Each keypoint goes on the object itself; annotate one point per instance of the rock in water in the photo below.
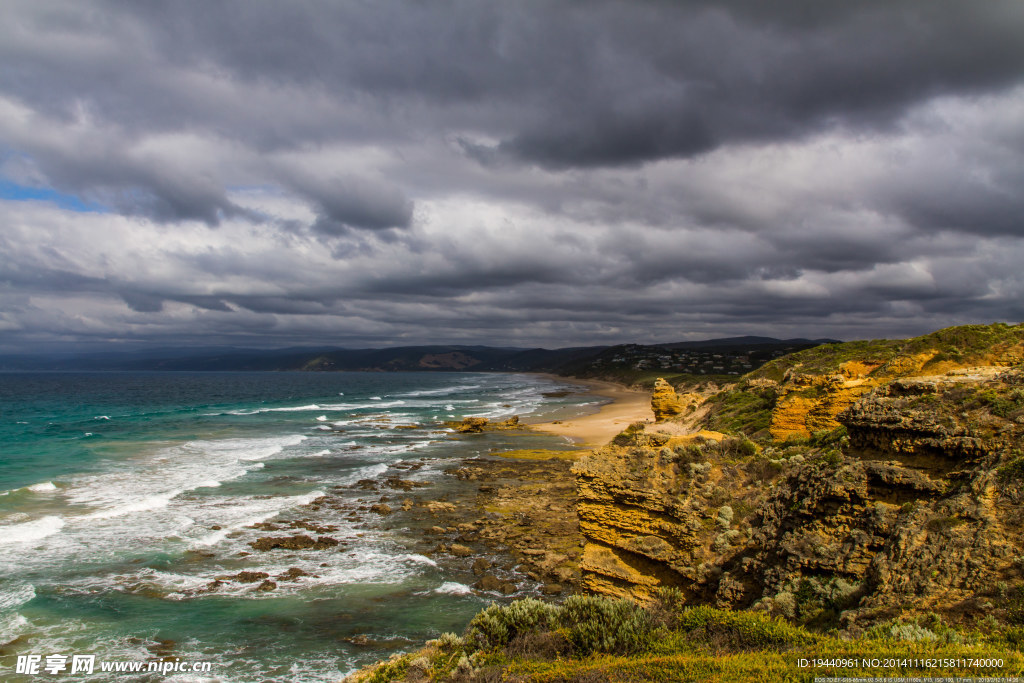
(665, 401)
(475, 425)
(298, 542)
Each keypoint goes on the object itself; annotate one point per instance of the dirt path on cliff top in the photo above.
(597, 429)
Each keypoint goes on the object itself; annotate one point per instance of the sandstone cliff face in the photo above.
(912, 502)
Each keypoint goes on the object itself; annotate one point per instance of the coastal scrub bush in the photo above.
(1003, 405)
(1014, 605)
(595, 624)
(394, 668)
(447, 641)
(911, 632)
(835, 438)
(736, 447)
(630, 435)
(498, 625)
(740, 630)
(1013, 470)
(588, 624)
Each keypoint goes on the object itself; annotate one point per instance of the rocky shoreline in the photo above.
(502, 525)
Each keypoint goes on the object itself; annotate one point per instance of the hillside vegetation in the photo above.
(601, 639)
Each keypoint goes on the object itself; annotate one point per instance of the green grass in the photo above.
(964, 344)
(744, 410)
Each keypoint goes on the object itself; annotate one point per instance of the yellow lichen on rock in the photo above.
(701, 436)
(801, 416)
(856, 369)
(810, 403)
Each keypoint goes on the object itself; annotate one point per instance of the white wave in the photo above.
(324, 428)
(417, 559)
(29, 532)
(321, 418)
(368, 472)
(246, 512)
(363, 406)
(449, 407)
(253, 449)
(453, 588)
(375, 398)
(141, 505)
(318, 454)
(15, 597)
(290, 409)
(102, 417)
(443, 390)
(11, 626)
(41, 487)
(155, 482)
(88, 434)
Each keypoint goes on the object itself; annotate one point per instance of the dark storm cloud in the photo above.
(352, 202)
(542, 172)
(561, 83)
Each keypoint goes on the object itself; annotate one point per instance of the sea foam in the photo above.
(30, 532)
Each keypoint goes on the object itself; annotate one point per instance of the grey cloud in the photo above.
(561, 83)
(141, 302)
(347, 202)
(540, 171)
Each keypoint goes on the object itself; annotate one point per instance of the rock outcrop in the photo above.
(665, 401)
(475, 425)
(879, 490)
(297, 542)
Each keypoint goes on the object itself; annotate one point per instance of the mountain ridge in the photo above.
(427, 357)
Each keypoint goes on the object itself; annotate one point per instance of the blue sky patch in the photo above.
(23, 193)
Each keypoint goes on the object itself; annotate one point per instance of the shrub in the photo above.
(835, 438)
(1014, 603)
(1004, 406)
(395, 668)
(497, 625)
(629, 436)
(742, 630)
(1013, 470)
(588, 624)
(911, 632)
(593, 624)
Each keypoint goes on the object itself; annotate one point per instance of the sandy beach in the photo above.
(627, 406)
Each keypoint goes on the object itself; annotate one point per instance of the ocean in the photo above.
(126, 498)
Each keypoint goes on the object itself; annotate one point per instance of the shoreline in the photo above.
(596, 429)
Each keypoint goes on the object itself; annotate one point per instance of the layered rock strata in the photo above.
(911, 504)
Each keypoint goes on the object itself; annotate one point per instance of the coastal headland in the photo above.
(837, 508)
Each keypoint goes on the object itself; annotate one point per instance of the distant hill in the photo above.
(734, 355)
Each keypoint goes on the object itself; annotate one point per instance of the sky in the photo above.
(391, 172)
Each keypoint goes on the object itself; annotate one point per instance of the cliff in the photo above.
(839, 486)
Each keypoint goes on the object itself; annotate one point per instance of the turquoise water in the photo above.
(123, 496)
